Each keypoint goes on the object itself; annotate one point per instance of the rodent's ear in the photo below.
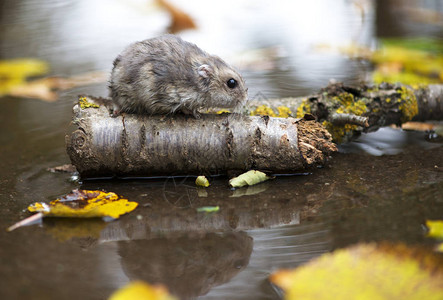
(204, 71)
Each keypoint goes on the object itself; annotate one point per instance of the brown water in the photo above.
(380, 188)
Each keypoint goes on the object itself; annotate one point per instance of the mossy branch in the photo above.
(347, 111)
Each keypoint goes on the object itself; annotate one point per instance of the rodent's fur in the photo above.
(165, 75)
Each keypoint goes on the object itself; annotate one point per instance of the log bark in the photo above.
(133, 145)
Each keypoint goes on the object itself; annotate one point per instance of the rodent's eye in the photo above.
(232, 83)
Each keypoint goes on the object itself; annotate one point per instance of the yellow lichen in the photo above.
(346, 105)
(303, 109)
(284, 112)
(83, 101)
(263, 110)
(338, 131)
(408, 104)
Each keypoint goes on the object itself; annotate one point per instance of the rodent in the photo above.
(166, 75)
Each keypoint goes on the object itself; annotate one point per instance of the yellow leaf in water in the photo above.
(139, 290)
(435, 229)
(249, 178)
(85, 204)
(15, 71)
(22, 68)
(202, 181)
(14, 74)
(366, 271)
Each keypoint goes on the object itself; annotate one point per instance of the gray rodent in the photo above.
(166, 75)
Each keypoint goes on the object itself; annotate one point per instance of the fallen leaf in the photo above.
(81, 204)
(418, 126)
(208, 209)
(37, 89)
(202, 181)
(435, 229)
(179, 19)
(249, 178)
(410, 61)
(15, 71)
(22, 68)
(366, 271)
(46, 88)
(14, 74)
(85, 204)
(142, 291)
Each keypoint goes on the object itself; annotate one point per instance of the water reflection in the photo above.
(188, 265)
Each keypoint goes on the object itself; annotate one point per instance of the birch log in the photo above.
(133, 145)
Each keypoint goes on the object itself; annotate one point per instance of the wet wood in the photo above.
(132, 145)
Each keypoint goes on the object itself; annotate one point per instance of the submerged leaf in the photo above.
(142, 291)
(208, 209)
(202, 181)
(366, 271)
(85, 204)
(249, 178)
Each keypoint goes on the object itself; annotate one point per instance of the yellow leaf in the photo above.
(85, 204)
(249, 178)
(435, 229)
(14, 72)
(22, 68)
(139, 290)
(202, 181)
(366, 271)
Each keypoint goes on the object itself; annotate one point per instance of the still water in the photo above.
(379, 188)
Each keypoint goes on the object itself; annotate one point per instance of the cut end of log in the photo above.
(315, 142)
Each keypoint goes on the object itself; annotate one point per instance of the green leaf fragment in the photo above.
(208, 209)
(202, 181)
(249, 178)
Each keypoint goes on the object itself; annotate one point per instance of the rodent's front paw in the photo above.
(115, 113)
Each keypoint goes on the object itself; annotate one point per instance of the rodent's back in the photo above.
(160, 75)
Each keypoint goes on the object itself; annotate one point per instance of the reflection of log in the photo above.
(188, 265)
(171, 223)
(132, 145)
